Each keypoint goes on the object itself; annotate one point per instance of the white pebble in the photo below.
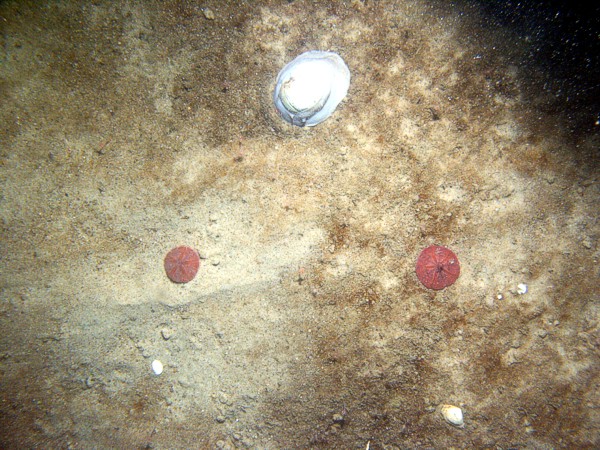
(521, 288)
(157, 367)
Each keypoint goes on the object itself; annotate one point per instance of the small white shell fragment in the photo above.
(208, 13)
(521, 288)
(157, 367)
(453, 415)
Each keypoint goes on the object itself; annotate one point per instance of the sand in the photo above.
(129, 128)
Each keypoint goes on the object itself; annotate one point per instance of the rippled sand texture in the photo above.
(130, 128)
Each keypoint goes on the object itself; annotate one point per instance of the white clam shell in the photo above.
(309, 88)
(453, 415)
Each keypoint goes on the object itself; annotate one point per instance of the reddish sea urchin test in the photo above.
(437, 267)
(181, 264)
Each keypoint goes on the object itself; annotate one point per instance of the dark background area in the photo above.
(564, 39)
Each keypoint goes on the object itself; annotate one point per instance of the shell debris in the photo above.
(208, 13)
(157, 367)
(453, 415)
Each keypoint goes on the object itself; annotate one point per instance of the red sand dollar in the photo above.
(181, 264)
(437, 267)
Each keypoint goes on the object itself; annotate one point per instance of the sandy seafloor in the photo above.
(128, 128)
